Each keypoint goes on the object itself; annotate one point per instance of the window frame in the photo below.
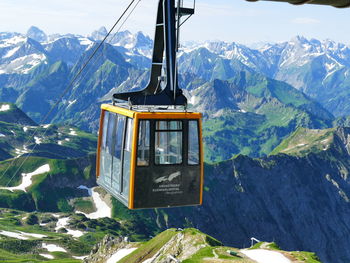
(199, 142)
(149, 141)
(182, 130)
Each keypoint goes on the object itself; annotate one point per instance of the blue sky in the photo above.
(229, 20)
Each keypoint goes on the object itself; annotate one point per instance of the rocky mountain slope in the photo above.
(46, 237)
(298, 197)
(189, 246)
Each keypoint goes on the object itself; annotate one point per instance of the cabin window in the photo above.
(127, 157)
(105, 161)
(110, 133)
(104, 130)
(193, 142)
(119, 130)
(143, 147)
(107, 147)
(168, 142)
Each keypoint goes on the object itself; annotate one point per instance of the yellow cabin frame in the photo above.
(188, 192)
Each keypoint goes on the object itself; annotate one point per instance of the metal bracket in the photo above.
(165, 45)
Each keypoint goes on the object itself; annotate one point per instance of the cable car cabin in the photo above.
(150, 159)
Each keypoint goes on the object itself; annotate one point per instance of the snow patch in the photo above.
(71, 102)
(23, 65)
(2, 135)
(53, 248)
(37, 140)
(129, 46)
(46, 126)
(27, 179)
(19, 152)
(81, 258)
(72, 132)
(265, 256)
(103, 210)
(21, 235)
(12, 41)
(59, 142)
(193, 100)
(33, 235)
(149, 260)
(330, 66)
(25, 129)
(13, 234)
(63, 222)
(11, 52)
(121, 253)
(86, 42)
(47, 256)
(5, 107)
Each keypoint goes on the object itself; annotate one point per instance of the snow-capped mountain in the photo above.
(67, 48)
(274, 59)
(321, 69)
(20, 54)
(133, 44)
(318, 68)
(98, 35)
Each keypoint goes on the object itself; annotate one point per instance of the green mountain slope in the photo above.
(107, 71)
(40, 237)
(251, 114)
(304, 141)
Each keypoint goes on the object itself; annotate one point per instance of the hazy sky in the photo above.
(230, 20)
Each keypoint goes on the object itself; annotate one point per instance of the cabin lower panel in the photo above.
(167, 186)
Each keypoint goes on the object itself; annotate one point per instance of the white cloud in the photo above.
(305, 21)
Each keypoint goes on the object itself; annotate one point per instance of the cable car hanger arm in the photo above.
(163, 90)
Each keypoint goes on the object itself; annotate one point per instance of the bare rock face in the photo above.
(106, 248)
(36, 34)
(181, 246)
(12, 114)
(189, 245)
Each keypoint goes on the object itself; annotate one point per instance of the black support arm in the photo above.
(161, 90)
